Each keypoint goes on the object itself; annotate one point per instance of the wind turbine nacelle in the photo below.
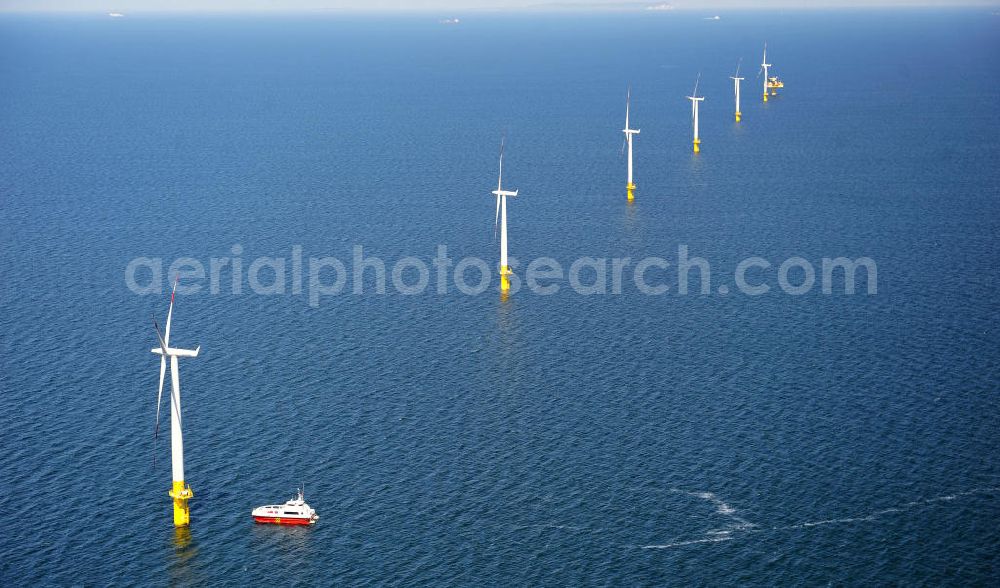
(175, 352)
(505, 192)
(631, 131)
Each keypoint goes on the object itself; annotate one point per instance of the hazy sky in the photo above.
(444, 6)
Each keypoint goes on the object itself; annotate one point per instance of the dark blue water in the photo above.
(451, 439)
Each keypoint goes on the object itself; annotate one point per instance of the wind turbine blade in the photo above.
(159, 398)
(163, 344)
(622, 152)
(500, 177)
(159, 395)
(170, 312)
(738, 63)
(173, 394)
(628, 101)
(496, 222)
(698, 79)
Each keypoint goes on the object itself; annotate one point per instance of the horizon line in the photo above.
(552, 7)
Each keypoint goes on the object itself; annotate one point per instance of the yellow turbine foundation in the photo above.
(630, 188)
(738, 115)
(504, 280)
(181, 494)
(182, 537)
(697, 142)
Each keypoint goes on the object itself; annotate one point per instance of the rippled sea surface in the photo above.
(451, 439)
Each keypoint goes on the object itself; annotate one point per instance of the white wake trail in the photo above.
(722, 508)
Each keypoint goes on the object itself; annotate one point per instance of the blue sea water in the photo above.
(545, 440)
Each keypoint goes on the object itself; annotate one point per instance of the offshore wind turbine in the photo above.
(736, 85)
(695, 99)
(179, 492)
(764, 67)
(630, 186)
(501, 220)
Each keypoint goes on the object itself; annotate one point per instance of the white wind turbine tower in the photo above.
(764, 67)
(695, 99)
(736, 85)
(501, 219)
(630, 186)
(179, 492)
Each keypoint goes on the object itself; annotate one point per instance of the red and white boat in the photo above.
(293, 512)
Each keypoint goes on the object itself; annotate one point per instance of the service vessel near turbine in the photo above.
(180, 492)
(771, 83)
(630, 185)
(293, 512)
(501, 219)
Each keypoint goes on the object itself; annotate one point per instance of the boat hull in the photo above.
(283, 520)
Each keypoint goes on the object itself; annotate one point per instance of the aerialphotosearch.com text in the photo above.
(317, 277)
